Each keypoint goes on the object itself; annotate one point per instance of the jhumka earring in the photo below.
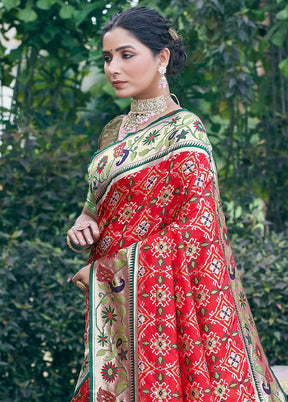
(163, 81)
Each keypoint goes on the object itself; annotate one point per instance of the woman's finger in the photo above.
(82, 276)
(94, 230)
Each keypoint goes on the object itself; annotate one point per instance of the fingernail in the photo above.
(90, 241)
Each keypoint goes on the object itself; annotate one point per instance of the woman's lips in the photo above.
(118, 84)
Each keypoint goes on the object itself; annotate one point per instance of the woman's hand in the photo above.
(85, 231)
(83, 277)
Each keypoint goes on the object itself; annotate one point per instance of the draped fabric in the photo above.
(167, 317)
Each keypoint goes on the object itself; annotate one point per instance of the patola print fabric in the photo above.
(167, 317)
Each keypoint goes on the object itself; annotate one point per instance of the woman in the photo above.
(168, 319)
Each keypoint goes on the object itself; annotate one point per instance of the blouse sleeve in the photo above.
(107, 137)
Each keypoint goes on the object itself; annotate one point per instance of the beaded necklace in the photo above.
(140, 112)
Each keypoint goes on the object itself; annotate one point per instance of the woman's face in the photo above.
(130, 66)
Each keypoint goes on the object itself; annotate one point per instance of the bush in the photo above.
(263, 264)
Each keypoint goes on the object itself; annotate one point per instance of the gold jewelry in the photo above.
(75, 249)
(81, 286)
(173, 34)
(163, 81)
(141, 111)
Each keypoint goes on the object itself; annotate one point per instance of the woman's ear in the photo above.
(164, 56)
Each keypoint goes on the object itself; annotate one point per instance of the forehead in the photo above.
(119, 37)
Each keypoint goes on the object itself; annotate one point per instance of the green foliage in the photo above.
(262, 260)
(235, 80)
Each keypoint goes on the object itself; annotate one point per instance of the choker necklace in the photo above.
(140, 112)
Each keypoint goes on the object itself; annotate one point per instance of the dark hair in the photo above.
(153, 31)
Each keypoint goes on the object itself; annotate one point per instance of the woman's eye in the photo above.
(127, 55)
(107, 59)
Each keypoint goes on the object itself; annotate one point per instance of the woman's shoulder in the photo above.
(110, 131)
(191, 122)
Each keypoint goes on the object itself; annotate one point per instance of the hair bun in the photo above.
(178, 55)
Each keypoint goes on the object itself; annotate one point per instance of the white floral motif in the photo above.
(150, 182)
(165, 195)
(220, 390)
(141, 319)
(188, 167)
(142, 228)
(141, 271)
(105, 242)
(215, 266)
(127, 212)
(114, 199)
(200, 180)
(207, 219)
(160, 295)
(192, 249)
(141, 366)
(234, 359)
(159, 344)
(161, 246)
(225, 313)
(160, 392)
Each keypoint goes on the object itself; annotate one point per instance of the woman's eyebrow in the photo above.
(119, 48)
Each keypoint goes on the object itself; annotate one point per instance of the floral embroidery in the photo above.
(118, 150)
(194, 394)
(105, 396)
(123, 354)
(210, 343)
(109, 372)
(160, 392)
(192, 249)
(102, 164)
(104, 274)
(109, 315)
(102, 339)
(234, 359)
(143, 228)
(198, 125)
(207, 219)
(225, 313)
(160, 344)
(150, 138)
(242, 299)
(220, 390)
(165, 195)
(182, 135)
(127, 213)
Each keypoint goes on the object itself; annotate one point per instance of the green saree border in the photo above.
(153, 158)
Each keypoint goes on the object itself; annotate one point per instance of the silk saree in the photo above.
(167, 317)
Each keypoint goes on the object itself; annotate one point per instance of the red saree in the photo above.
(168, 318)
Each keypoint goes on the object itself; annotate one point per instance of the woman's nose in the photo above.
(114, 66)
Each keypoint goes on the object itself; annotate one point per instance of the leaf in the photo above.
(122, 385)
(45, 4)
(101, 352)
(66, 11)
(9, 4)
(27, 15)
(283, 14)
(280, 36)
(144, 152)
(283, 66)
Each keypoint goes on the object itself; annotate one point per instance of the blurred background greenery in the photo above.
(58, 102)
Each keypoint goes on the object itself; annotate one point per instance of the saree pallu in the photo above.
(168, 319)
